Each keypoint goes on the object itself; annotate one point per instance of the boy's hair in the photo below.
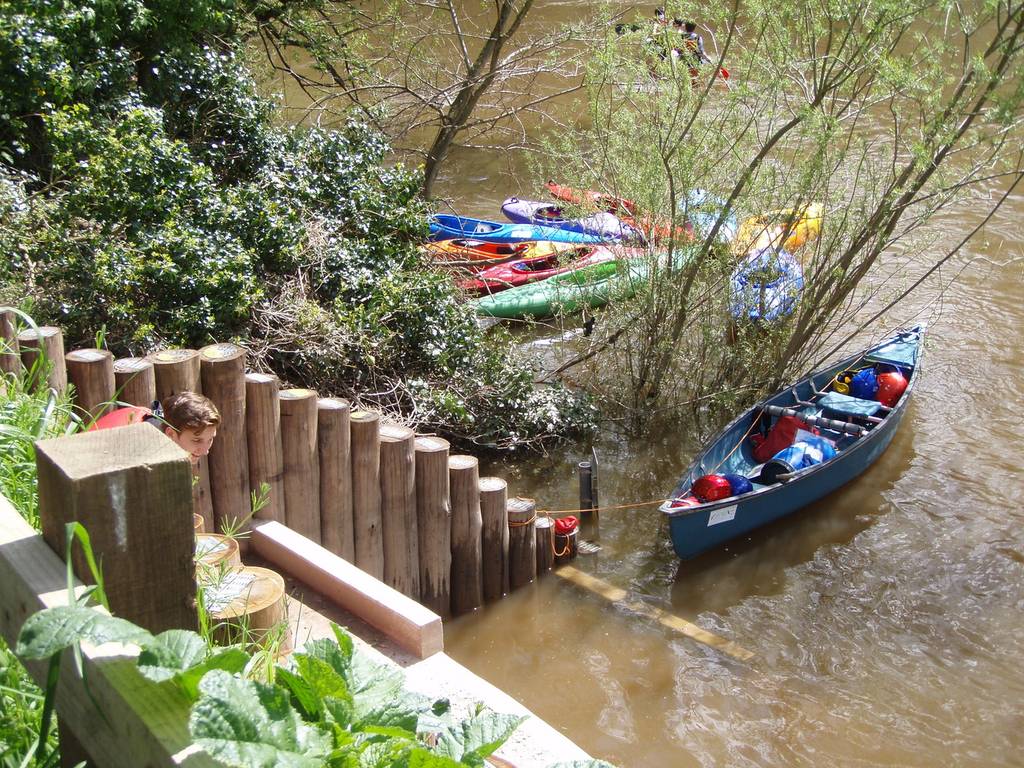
(188, 410)
(690, 26)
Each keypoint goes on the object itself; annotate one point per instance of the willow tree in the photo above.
(888, 113)
(430, 75)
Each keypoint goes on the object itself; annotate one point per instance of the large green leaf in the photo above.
(182, 656)
(249, 724)
(470, 741)
(54, 629)
(380, 700)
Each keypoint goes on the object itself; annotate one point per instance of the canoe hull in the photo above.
(447, 227)
(699, 528)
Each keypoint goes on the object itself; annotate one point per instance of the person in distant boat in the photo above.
(693, 44)
(191, 421)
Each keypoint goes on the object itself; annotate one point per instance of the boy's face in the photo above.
(196, 442)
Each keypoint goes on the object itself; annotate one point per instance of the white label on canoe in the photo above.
(723, 515)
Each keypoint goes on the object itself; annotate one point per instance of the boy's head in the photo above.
(191, 422)
(691, 26)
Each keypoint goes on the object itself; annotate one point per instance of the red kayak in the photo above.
(599, 200)
(502, 276)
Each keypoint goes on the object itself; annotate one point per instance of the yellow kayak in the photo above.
(799, 226)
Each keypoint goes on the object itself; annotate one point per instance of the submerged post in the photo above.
(522, 542)
(545, 531)
(494, 536)
(467, 567)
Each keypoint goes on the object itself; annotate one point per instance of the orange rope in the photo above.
(598, 509)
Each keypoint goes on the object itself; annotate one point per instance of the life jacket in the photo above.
(781, 435)
(130, 414)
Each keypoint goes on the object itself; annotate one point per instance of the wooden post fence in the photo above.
(135, 381)
(51, 341)
(398, 509)
(369, 542)
(301, 462)
(494, 536)
(544, 528)
(522, 542)
(467, 563)
(334, 446)
(91, 371)
(434, 513)
(10, 355)
(222, 367)
(263, 442)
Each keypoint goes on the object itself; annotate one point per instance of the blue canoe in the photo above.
(602, 223)
(444, 226)
(765, 285)
(860, 430)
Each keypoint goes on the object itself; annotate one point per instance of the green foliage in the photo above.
(146, 190)
(21, 704)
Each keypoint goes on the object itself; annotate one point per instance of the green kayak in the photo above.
(591, 286)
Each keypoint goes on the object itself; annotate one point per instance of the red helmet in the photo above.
(566, 525)
(712, 488)
(891, 386)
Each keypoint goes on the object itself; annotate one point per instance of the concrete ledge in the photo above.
(411, 626)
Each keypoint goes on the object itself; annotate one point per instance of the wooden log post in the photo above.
(91, 371)
(222, 368)
(467, 523)
(250, 608)
(494, 536)
(566, 543)
(135, 381)
(301, 462)
(43, 348)
(366, 520)
(522, 542)
(334, 446)
(544, 528)
(131, 489)
(263, 442)
(434, 518)
(174, 371)
(10, 353)
(398, 509)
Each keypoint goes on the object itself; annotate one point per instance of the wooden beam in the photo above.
(411, 626)
(621, 598)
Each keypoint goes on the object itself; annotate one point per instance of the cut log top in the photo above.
(244, 590)
(395, 433)
(105, 451)
(462, 462)
(171, 356)
(332, 404)
(87, 355)
(221, 352)
(31, 335)
(521, 509)
(492, 485)
(260, 378)
(364, 417)
(213, 549)
(297, 394)
(431, 444)
(544, 522)
(132, 364)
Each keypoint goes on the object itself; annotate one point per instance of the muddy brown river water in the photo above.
(887, 620)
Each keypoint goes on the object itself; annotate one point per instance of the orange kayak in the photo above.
(474, 255)
(599, 200)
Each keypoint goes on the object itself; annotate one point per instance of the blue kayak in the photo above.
(602, 223)
(852, 432)
(444, 226)
(765, 285)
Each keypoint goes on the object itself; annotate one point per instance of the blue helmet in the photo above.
(864, 384)
(739, 484)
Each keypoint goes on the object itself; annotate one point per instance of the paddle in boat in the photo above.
(795, 447)
(444, 226)
(531, 270)
(605, 224)
(765, 286)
